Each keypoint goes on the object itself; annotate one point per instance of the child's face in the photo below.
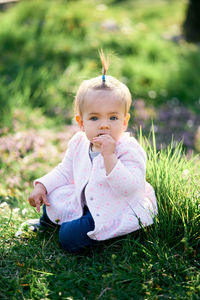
(103, 113)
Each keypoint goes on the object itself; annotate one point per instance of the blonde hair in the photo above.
(109, 84)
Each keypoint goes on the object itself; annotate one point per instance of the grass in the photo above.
(157, 262)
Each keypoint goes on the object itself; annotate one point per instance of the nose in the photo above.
(104, 125)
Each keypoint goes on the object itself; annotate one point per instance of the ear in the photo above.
(126, 119)
(79, 120)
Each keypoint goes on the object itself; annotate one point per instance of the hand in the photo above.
(105, 143)
(107, 147)
(38, 196)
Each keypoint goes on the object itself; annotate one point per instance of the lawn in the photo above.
(158, 262)
(47, 48)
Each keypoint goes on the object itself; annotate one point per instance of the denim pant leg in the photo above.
(45, 221)
(73, 235)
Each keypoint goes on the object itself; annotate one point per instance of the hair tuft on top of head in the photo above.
(104, 61)
(102, 83)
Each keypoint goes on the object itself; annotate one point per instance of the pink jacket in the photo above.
(119, 202)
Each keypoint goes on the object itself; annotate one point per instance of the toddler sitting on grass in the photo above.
(98, 191)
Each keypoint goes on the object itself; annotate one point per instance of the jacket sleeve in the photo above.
(62, 174)
(128, 175)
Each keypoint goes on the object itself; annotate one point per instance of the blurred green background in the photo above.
(48, 47)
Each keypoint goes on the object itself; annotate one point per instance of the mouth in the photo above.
(101, 134)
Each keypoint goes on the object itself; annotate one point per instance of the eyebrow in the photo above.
(96, 113)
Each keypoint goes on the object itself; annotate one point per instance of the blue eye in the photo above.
(113, 118)
(93, 118)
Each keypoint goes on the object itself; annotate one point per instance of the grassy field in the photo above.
(158, 262)
(47, 48)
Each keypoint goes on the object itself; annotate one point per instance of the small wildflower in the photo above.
(185, 173)
(152, 94)
(24, 211)
(3, 204)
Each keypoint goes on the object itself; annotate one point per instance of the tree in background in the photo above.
(191, 25)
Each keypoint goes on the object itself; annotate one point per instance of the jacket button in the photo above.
(98, 215)
(91, 198)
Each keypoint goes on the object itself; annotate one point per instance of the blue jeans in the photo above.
(73, 234)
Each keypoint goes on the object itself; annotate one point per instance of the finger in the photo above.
(98, 140)
(45, 201)
(38, 207)
(105, 137)
(37, 204)
(97, 143)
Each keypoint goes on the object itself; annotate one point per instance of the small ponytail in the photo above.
(102, 83)
(105, 64)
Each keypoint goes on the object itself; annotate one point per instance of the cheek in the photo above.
(117, 131)
(119, 127)
(89, 128)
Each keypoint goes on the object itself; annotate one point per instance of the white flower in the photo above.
(4, 205)
(15, 210)
(185, 173)
(24, 211)
(152, 94)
